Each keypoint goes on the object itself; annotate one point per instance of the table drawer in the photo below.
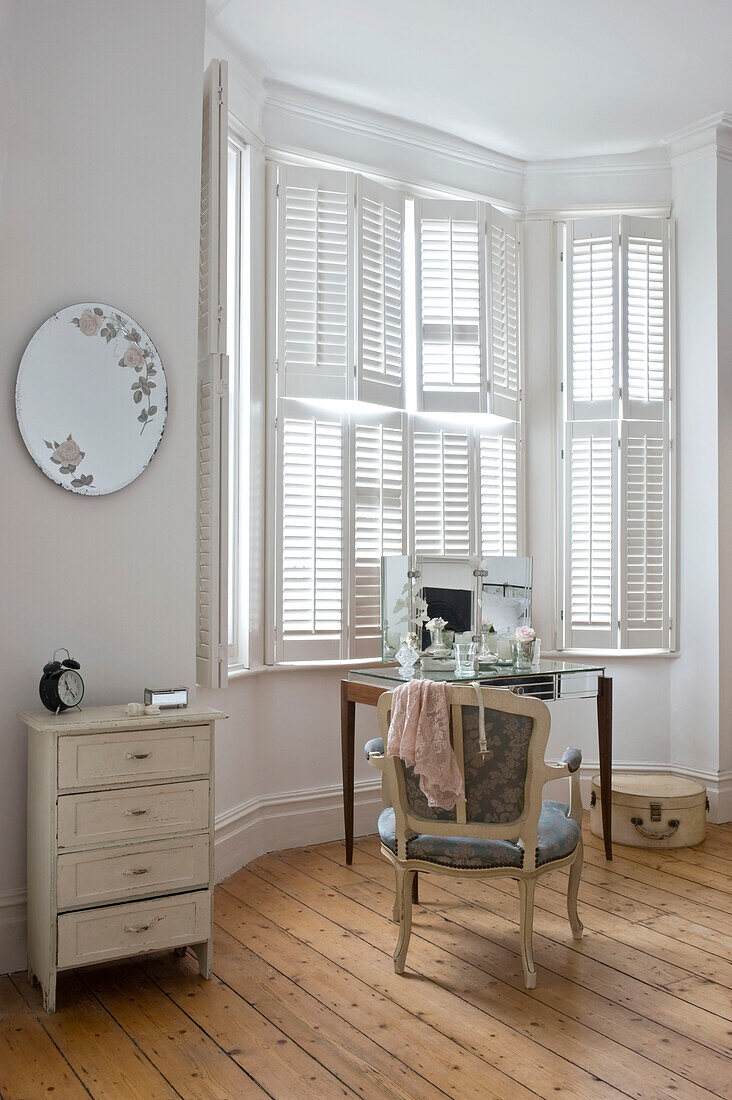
(131, 871)
(101, 817)
(118, 931)
(103, 759)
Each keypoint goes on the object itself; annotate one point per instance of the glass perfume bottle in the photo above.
(408, 656)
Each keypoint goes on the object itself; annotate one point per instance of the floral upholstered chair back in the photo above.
(502, 784)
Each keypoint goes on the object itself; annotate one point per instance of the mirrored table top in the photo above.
(491, 672)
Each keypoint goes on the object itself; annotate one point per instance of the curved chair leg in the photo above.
(526, 895)
(396, 909)
(575, 874)
(404, 891)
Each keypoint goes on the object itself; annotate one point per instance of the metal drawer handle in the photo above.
(135, 813)
(638, 822)
(137, 755)
(142, 927)
(137, 871)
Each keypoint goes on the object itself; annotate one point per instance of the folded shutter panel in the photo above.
(212, 391)
(502, 236)
(450, 258)
(314, 284)
(644, 543)
(310, 540)
(443, 487)
(645, 259)
(498, 462)
(379, 528)
(379, 294)
(590, 606)
(592, 319)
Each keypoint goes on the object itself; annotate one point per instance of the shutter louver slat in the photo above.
(442, 492)
(644, 537)
(212, 634)
(498, 495)
(592, 335)
(315, 228)
(450, 324)
(311, 535)
(379, 308)
(645, 255)
(591, 535)
(378, 522)
(503, 274)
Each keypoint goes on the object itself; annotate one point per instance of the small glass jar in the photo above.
(523, 653)
(465, 658)
(504, 647)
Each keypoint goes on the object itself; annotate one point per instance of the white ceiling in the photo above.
(538, 79)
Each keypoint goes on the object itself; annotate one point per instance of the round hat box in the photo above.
(653, 810)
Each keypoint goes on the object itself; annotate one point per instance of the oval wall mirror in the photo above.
(91, 398)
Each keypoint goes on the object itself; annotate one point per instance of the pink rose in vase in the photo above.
(89, 323)
(525, 634)
(133, 357)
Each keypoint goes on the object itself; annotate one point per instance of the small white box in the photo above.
(166, 697)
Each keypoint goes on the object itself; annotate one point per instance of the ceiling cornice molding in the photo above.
(708, 136)
(250, 75)
(611, 164)
(344, 116)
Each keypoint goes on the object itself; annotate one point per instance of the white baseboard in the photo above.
(12, 931)
(291, 819)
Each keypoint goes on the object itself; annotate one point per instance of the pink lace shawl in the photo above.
(419, 734)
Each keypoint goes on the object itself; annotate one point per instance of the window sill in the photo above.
(238, 673)
(613, 654)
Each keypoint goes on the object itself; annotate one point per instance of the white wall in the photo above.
(99, 195)
(695, 683)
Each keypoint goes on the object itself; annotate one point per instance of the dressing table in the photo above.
(548, 680)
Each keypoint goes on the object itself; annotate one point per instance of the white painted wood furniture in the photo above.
(501, 827)
(120, 837)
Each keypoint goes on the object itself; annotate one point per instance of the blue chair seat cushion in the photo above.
(558, 837)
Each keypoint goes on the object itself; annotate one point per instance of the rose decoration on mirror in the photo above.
(91, 398)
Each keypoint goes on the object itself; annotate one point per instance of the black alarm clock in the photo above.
(61, 685)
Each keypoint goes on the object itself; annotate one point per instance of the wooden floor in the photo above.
(305, 1003)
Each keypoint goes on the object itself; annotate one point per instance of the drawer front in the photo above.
(103, 817)
(131, 871)
(103, 759)
(118, 931)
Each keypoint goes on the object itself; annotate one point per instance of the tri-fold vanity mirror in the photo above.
(466, 595)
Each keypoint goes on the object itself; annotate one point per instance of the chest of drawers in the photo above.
(120, 837)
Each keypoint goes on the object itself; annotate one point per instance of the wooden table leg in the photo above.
(605, 739)
(348, 738)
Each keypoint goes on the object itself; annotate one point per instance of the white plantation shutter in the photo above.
(379, 294)
(502, 239)
(212, 487)
(498, 471)
(312, 503)
(645, 260)
(644, 542)
(450, 259)
(314, 281)
(379, 523)
(590, 461)
(442, 490)
(592, 319)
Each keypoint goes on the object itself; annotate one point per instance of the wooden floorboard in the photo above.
(304, 1003)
